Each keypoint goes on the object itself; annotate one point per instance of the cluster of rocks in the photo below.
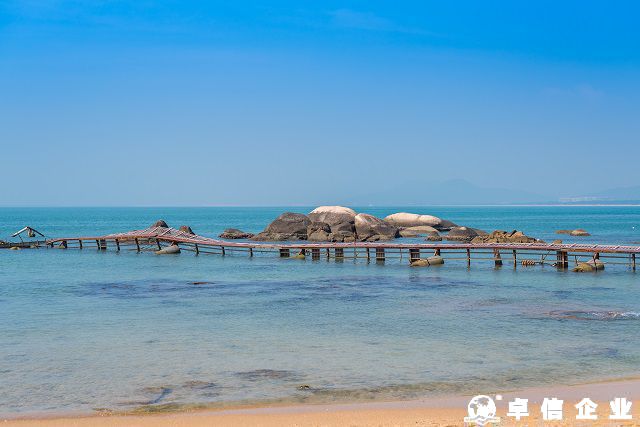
(577, 232)
(500, 236)
(341, 224)
(163, 224)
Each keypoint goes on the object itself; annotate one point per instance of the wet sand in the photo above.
(444, 411)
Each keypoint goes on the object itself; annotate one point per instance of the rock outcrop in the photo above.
(446, 225)
(234, 233)
(464, 234)
(434, 237)
(160, 223)
(186, 229)
(288, 226)
(500, 236)
(576, 232)
(580, 232)
(418, 231)
(323, 232)
(332, 215)
(342, 224)
(171, 249)
(318, 232)
(405, 219)
(593, 265)
(370, 229)
(343, 232)
(426, 262)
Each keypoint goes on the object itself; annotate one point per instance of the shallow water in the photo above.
(81, 330)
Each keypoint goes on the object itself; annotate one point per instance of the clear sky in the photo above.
(292, 102)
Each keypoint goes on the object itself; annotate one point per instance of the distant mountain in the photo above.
(451, 192)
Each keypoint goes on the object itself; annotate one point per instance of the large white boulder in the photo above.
(404, 219)
(332, 215)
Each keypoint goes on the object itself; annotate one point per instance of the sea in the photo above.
(86, 330)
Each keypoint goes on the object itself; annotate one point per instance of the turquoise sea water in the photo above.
(81, 330)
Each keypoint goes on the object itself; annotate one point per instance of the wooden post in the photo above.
(515, 259)
(315, 253)
(223, 251)
(284, 253)
(158, 243)
(80, 243)
(117, 245)
(197, 249)
(137, 244)
(98, 244)
(250, 252)
(468, 257)
(380, 254)
(497, 258)
(633, 262)
(562, 258)
(368, 255)
(328, 253)
(338, 252)
(414, 254)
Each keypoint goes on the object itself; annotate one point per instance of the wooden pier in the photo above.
(561, 256)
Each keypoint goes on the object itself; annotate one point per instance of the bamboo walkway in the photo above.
(558, 255)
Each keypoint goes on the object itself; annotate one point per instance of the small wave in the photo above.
(595, 315)
(267, 374)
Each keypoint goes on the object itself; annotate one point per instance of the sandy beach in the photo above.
(442, 411)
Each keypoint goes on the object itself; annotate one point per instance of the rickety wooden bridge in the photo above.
(558, 255)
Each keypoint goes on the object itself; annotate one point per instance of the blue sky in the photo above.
(280, 102)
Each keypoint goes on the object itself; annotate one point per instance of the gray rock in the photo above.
(593, 265)
(464, 234)
(160, 223)
(576, 232)
(421, 230)
(318, 232)
(426, 262)
(580, 232)
(288, 226)
(434, 237)
(343, 232)
(370, 229)
(446, 225)
(234, 233)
